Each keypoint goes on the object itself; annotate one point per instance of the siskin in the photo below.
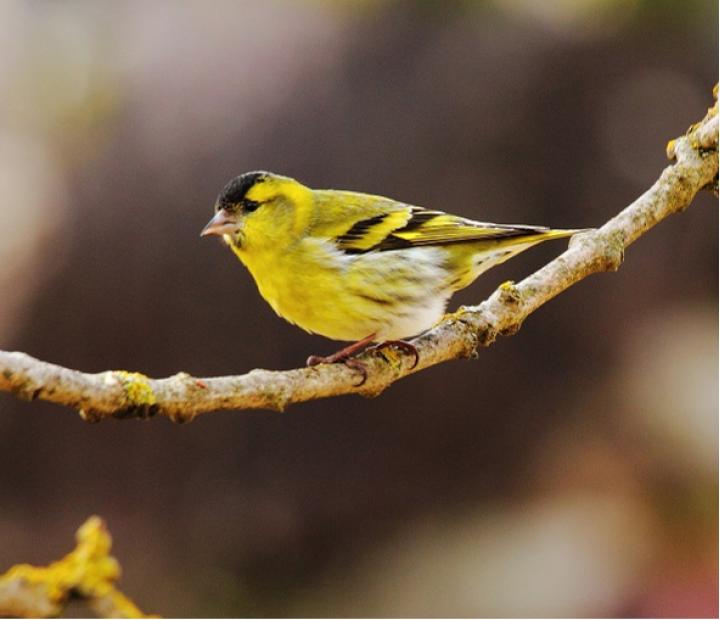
(357, 267)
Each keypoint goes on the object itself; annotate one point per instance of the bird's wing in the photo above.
(414, 226)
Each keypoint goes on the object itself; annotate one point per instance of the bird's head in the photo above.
(259, 210)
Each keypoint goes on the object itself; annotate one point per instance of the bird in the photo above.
(357, 267)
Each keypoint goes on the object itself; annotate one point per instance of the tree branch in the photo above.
(181, 398)
(88, 572)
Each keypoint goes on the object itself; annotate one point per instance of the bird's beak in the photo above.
(222, 223)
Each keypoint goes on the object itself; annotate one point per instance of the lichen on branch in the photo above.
(181, 398)
(88, 572)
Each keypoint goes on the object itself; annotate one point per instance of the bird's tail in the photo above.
(491, 253)
(535, 234)
(524, 237)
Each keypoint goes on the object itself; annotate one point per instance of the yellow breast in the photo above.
(304, 285)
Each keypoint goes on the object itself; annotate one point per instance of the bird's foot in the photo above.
(345, 356)
(403, 345)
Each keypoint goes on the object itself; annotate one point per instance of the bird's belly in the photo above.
(323, 309)
(412, 320)
(349, 298)
(349, 317)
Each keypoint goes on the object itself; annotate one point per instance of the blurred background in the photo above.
(569, 471)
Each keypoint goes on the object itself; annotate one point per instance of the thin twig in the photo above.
(181, 398)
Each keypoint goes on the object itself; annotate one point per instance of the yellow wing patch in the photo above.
(415, 226)
(436, 227)
(368, 233)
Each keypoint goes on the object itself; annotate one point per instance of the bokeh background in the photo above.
(569, 471)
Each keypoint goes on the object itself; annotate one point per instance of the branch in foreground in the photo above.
(89, 571)
(122, 394)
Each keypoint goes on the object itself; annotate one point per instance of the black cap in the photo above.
(234, 192)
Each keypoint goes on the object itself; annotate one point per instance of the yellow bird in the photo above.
(357, 267)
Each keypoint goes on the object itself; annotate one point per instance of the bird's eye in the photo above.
(250, 205)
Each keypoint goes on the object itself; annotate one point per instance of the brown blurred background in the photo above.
(570, 471)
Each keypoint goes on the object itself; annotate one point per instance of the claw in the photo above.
(314, 360)
(344, 356)
(351, 363)
(360, 367)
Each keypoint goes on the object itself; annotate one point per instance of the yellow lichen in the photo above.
(137, 388)
(393, 356)
(88, 571)
(509, 294)
(451, 316)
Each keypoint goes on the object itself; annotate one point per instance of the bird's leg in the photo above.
(345, 356)
(342, 354)
(403, 345)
